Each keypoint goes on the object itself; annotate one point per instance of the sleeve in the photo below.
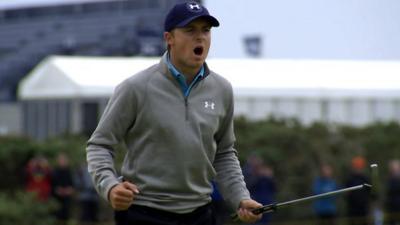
(118, 117)
(229, 177)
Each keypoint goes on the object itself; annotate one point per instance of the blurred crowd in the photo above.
(67, 185)
(362, 207)
(64, 184)
(375, 206)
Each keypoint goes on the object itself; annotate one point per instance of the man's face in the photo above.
(189, 45)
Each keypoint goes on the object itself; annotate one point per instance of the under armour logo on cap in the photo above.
(184, 13)
(193, 6)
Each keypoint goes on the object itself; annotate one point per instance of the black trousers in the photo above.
(142, 215)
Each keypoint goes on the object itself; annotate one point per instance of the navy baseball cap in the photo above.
(184, 13)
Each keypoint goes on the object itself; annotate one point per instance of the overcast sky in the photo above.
(306, 29)
(10, 4)
(321, 29)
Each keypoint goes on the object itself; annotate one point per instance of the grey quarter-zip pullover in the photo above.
(176, 145)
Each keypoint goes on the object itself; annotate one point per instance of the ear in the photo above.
(168, 37)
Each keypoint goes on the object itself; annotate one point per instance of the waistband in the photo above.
(152, 211)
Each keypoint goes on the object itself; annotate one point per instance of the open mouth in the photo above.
(198, 51)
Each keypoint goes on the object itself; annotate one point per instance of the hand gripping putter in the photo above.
(275, 206)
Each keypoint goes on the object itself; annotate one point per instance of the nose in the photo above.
(200, 35)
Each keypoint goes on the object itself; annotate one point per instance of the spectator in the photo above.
(393, 193)
(87, 196)
(38, 177)
(325, 208)
(261, 184)
(358, 202)
(62, 187)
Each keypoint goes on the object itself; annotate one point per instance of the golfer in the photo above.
(176, 121)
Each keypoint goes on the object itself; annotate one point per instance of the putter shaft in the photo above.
(273, 207)
(358, 187)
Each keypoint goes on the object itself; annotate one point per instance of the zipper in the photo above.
(186, 109)
(186, 97)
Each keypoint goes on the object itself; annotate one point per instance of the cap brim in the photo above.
(213, 21)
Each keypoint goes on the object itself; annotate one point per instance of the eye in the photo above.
(189, 29)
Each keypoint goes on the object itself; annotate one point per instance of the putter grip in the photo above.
(264, 209)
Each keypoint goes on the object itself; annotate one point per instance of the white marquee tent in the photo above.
(69, 77)
(64, 76)
(354, 92)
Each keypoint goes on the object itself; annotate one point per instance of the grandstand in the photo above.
(32, 30)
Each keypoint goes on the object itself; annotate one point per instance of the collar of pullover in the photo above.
(181, 78)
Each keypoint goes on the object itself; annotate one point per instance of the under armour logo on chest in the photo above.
(209, 104)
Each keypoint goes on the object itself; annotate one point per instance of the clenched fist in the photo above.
(122, 195)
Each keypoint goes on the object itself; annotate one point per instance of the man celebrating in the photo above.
(176, 120)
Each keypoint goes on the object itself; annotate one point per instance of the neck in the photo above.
(188, 71)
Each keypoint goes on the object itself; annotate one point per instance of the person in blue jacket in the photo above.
(325, 208)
